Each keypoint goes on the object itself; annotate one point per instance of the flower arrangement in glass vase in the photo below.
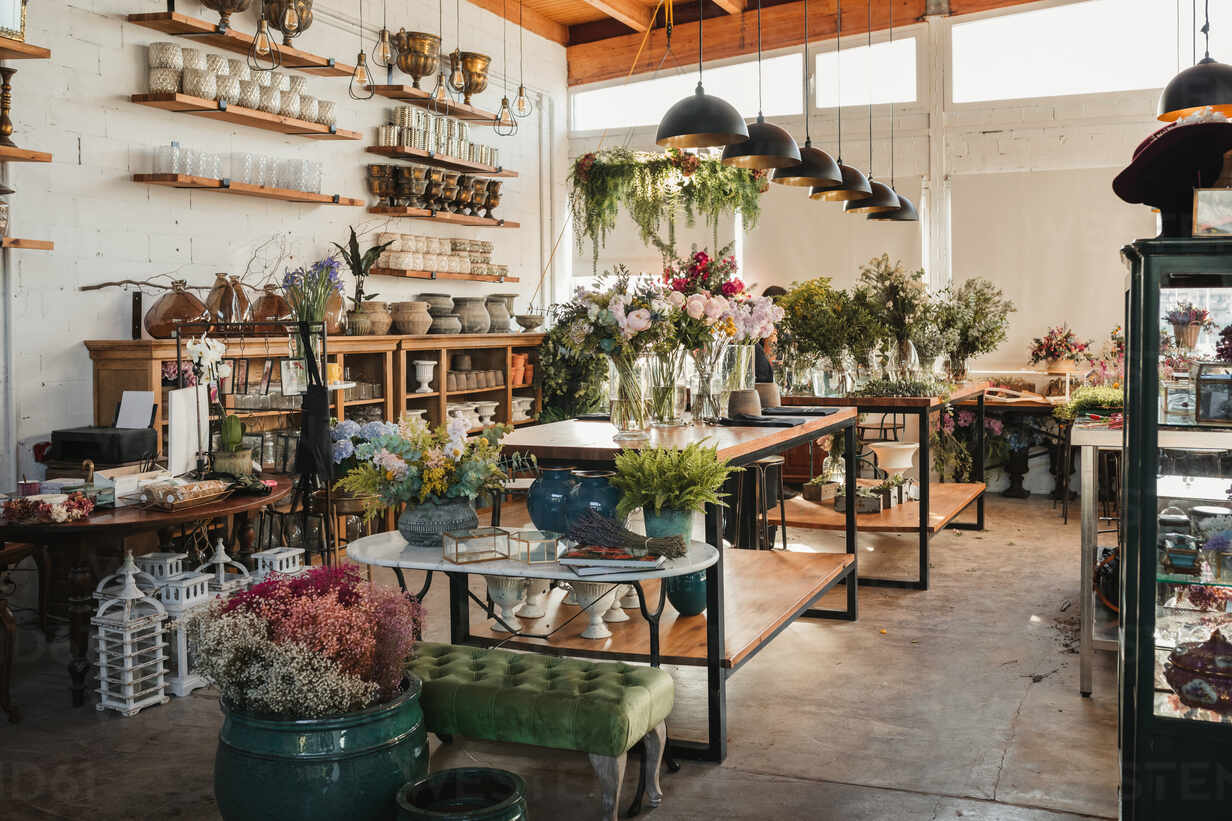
(898, 296)
(1188, 321)
(1059, 344)
(308, 291)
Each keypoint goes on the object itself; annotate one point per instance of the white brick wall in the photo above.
(107, 227)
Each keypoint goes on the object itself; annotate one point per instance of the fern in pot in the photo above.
(670, 485)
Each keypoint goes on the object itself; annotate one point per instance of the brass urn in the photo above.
(474, 73)
(226, 8)
(419, 53)
(291, 17)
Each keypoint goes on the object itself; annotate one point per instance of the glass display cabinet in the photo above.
(1176, 574)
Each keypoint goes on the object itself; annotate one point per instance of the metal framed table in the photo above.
(938, 504)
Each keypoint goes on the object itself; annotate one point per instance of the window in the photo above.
(880, 73)
(1079, 48)
(645, 102)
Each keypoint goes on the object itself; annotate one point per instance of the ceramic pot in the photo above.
(506, 594)
(498, 313)
(536, 595)
(223, 300)
(355, 762)
(769, 394)
(472, 793)
(175, 306)
(359, 323)
(378, 314)
(438, 304)
(412, 318)
(234, 462)
(335, 310)
(422, 525)
(475, 318)
(529, 321)
(269, 307)
(686, 593)
(424, 368)
(597, 599)
(744, 402)
(1199, 673)
(548, 499)
(592, 490)
(449, 324)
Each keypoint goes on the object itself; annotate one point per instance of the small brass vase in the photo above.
(474, 73)
(277, 12)
(419, 54)
(226, 8)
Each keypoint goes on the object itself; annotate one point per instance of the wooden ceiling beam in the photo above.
(731, 6)
(532, 21)
(630, 12)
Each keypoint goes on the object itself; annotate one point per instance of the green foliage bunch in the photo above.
(978, 313)
(655, 479)
(360, 264)
(903, 387)
(232, 433)
(894, 293)
(1091, 398)
(865, 328)
(813, 323)
(572, 383)
(931, 334)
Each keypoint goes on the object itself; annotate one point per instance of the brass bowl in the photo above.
(474, 73)
(419, 53)
(491, 202)
(436, 174)
(419, 172)
(451, 177)
(276, 10)
(494, 187)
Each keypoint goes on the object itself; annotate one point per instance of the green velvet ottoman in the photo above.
(602, 709)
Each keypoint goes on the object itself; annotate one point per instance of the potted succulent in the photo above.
(320, 720)
(365, 317)
(233, 458)
(669, 485)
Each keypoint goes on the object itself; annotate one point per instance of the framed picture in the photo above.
(239, 376)
(267, 372)
(294, 379)
(1212, 212)
(13, 19)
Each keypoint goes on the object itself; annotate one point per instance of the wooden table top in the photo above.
(132, 519)
(969, 390)
(591, 441)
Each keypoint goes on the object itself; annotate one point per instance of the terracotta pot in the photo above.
(498, 313)
(335, 310)
(474, 316)
(270, 307)
(359, 323)
(175, 306)
(378, 314)
(412, 318)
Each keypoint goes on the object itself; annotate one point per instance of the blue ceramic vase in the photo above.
(686, 593)
(548, 497)
(593, 490)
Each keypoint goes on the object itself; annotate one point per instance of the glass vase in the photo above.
(627, 399)
(667, 389)
(709, 397)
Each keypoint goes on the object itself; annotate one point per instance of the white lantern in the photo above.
(288, 561)
(227, 576)
(162, 566)
(113, 585)
(130, 647)
(183, 596)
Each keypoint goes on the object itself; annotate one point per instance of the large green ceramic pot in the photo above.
(464, 794)
(346, 767)
(686, 593)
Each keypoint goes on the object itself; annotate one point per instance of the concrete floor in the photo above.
(958, 702)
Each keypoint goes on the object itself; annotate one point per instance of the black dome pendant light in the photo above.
(882, 197)
(1209, 83)
(702, 120)
(816, 167)
(854, 186)
(905, 212)
(768, 146)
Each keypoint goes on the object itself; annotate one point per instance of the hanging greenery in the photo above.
(656, 189)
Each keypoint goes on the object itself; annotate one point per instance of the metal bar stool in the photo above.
(762, 493)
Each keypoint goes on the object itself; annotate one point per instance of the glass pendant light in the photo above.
(701, 120)
(359, 78)
(905, 212)
(290, 20)
(506, 125)
(768, 146)
(854, 184)
(382, 49)
(1209, 83)
(263, 55)
(522, 106)
(438, 100)
(816, 167)
(457, 80)
(881, 197)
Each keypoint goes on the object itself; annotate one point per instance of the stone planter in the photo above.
(349, 766)
(423, 525)
(358, 323)
(474, 316)
(412, 318)
(378, 314)
(498, 313)
(235, 462)
(448, 324)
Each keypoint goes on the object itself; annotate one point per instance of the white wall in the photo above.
(106, 227)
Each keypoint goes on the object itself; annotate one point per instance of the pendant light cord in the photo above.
(891, 105)
(838, 77)
(1206, 27)
(701, 15)
(505, 43)
(804, 79)
(869, 21)
(759, 105)
(521, 46)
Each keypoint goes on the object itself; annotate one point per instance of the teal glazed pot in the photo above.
(349, 766)
(593, 490)
(686, 593)
(464, 794)
(423, 525)
(548, 498)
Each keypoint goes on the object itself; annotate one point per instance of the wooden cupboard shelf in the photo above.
(346, 403)
(244, 189)
(228, 39)
(465, 391)
(28, 244)
(399, 272)
(428, 395)
(418, 97)
(440, 161)
(11, 49)
(9, 153)
(217, 110)
(440, 216)
(533, 420)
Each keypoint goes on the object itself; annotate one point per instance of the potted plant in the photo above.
(979, 312)
(820, 488)
(309, 291)
(368, 317)
(436, 473)
(233, 458)
(669, 485)
(1188, 321)
(897, 296)
(320, 720)
(1059, 345)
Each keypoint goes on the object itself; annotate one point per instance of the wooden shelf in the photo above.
(399, 272)
(428, 395)
(217, 110)
(244, 189)
(432, 158)
(28, 244)
(346, 403)
(11, 49)
(440, 216)
(419, 97)
(945, 501)
(228, 39)
(10, 154)
(465, 391)
(533, 420)
(524, 386)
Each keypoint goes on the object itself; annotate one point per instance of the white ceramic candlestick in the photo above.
(597, 598)
(506, 592)
(423, 372)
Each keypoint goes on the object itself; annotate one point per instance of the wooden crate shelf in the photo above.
(228, 39)
(216, 110)
(398, 272)
(440, 216)
(945, 501)
(10, 154)
(28, 244)
(423, 99)
(440, 161)
(244, 189)
(11, 49)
